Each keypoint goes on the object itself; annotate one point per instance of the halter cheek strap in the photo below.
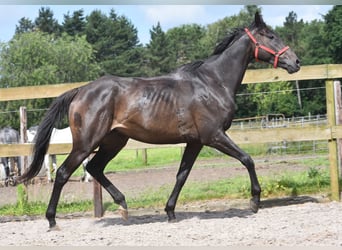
(271, 51)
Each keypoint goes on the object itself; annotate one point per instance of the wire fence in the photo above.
(271, 121)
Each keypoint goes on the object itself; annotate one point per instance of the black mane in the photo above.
(228, 41)
(222, 46)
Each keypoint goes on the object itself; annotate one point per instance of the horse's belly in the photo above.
(153, 136)
(166, 126)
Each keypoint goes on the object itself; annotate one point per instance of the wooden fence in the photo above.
(330, 132)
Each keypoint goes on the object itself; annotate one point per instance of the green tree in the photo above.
(293, 29)
(333, 29)
(185, 42)
(160, 56)
(74, 24)
(274, 98)
(292, 33)
(37, 58)
(314, 44)
(124, 58)
(309, 42)
(218, 30)
(45, 21)
(112, 38)
(24, 25)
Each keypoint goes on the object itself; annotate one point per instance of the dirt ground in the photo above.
(286, 222)
(295, 221)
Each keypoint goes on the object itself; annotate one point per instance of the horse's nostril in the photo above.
(297, 62)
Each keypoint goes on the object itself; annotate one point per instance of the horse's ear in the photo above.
(259, 22)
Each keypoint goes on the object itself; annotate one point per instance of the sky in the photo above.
(143, 17)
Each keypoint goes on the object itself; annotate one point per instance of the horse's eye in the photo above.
(270, 36)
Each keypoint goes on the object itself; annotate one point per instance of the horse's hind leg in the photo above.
(190, 154)
(223, 143)
(62, 175)
(109, 148)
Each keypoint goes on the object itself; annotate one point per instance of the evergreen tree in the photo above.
(75, 24)
(293, 28)
(112, 38)
(160, 55)
(45, 21)
(25, 25)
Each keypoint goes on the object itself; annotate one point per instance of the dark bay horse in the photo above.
(192, 105)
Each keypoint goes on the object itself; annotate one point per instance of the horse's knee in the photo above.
(61, 176)
(247, 161)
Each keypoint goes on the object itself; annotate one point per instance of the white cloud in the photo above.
(275, 15)
(173, 15)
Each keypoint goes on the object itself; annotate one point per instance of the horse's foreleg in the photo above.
(62, 175)
(190, 154)
(223, 143)
(97, 164)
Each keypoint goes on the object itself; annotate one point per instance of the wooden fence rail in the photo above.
(330, 132)
(245, 136)
(325, 71)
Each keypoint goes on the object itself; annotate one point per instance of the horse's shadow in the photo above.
(157, 217)
(181, 215)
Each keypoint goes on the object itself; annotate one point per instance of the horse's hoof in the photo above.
(54, 228)
(123, 212)
(171, 216)
(254, 205)
(173, 220)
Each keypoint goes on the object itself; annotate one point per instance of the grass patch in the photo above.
(311, 181)
(129, 159)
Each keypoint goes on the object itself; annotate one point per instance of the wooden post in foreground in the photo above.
(23, 139)
(338, 111)
(332, 143)
(23, 136)
(98, 205)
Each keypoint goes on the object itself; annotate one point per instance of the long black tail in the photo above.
(58, 110)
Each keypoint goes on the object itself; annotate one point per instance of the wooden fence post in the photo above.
(338, 112)
(23, 139)
(98, 205)
(23, 136)
(332, 143)
(144, 156)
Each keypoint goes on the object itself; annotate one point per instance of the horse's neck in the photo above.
(233, 62)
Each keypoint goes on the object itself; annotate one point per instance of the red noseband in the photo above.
(271, 51)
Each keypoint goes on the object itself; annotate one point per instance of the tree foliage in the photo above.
(83, 48)
(74, 25)
(161, 56)
(37, 58)
(333, 29)
(112, 38)
(46, 22)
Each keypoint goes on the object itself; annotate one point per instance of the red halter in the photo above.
(271, 51)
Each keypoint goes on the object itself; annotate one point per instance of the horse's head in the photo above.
(268, 47)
